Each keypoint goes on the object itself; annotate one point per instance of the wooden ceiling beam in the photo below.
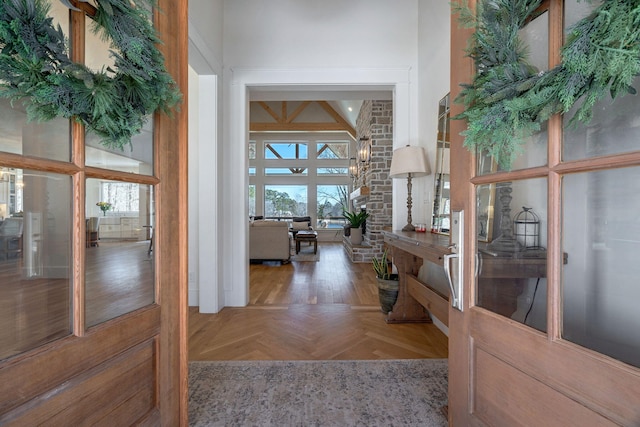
(337, 117)
(285, 122)
(299, 127)
(268, 109)
(297, 111)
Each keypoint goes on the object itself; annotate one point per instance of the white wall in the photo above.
(205, 36)
(328, 33)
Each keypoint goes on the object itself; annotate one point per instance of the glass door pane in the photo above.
(601, 235)
(119, 276)
(35, 253)
(511, 256)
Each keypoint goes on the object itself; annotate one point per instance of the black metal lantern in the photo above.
(526, 226)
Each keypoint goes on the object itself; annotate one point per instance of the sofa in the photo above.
(269, 240)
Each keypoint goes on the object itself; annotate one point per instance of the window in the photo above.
(333, 171)
(285, 171)
(285, 150)
(332, 150)
(332, 200)
(252, 200)
(123, 196)
(285, 200)
(308, 175)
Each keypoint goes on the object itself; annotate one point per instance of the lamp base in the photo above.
(408, 227)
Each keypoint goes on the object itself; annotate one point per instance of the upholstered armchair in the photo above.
(300, 223)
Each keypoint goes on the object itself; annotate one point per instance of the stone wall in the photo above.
(375, 122)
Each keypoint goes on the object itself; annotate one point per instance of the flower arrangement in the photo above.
(104, 207)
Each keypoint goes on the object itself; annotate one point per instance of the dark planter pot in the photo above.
(387, 293)
(347, 230)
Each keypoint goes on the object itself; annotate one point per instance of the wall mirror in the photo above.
(440, 220)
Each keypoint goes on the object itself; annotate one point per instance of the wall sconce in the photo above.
(353, 169)
(364, 153)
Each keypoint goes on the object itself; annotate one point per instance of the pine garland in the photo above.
(509, 99)
(113, 103)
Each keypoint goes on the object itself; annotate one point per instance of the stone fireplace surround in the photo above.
(373, 190)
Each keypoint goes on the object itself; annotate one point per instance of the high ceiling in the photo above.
(345, 100)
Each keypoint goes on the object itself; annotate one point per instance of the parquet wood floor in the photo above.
(311, 311)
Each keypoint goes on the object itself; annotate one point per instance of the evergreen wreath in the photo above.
(509, 99)
(114, 103)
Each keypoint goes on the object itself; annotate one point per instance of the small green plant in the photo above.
(355, 219)
(381, 267)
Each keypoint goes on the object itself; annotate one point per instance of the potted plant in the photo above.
(355, 220)
(387, 283)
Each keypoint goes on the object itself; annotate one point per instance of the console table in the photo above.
(416, 299)
(501, 281)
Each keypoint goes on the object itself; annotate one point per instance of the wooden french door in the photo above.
(548, 336)
(66, 366)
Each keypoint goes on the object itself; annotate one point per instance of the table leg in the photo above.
(406, 308)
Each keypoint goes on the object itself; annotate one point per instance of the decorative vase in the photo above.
(387, 293)
(356, 236)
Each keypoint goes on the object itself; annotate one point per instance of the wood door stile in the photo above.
(409, 250)
(126, 369)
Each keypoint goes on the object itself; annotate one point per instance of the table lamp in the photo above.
(409, 162)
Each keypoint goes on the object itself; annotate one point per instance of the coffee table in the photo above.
(307, 236)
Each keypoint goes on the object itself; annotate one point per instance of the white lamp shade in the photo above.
(409, 160)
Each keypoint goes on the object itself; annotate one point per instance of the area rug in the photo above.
(306, 253)
(318, 393)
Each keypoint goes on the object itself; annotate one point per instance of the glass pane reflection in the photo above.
(614, 129)
(35, 230)
(137, 157)
(49, 140)
(512, 266)
(119, 254)
(601, 234)
(535, 35)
